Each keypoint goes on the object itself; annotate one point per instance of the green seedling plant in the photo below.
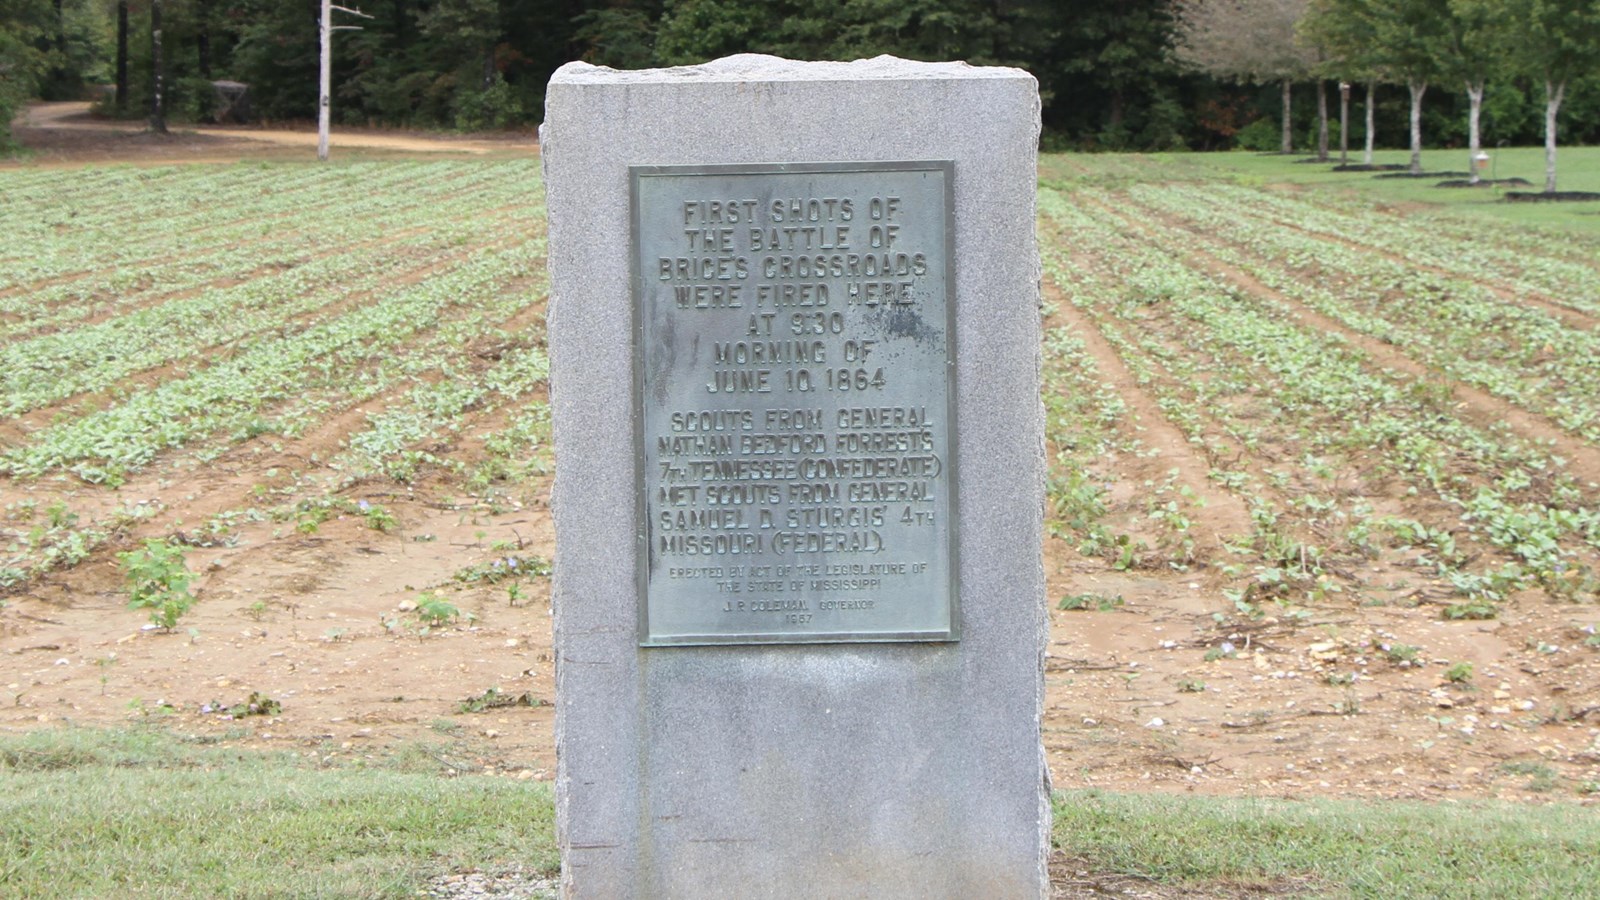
(257, 704)
(377, 518)
(1091, 601)
(1460, 673)
(434, 611)
(1399, 653)
(158, 580)
(493, 698)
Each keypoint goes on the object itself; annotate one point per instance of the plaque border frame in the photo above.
(641, 499)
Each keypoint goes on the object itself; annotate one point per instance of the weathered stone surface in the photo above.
(819, 770)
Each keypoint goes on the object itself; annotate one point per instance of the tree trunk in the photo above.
(1344, 123)
(1288, 125)
(158, 116)
(1553, 92)
(488, 67)
(122, 56)
(1322, 120)
(1474, 142)
(61, 36)
(1418, 88)
(1372, 94)
(203, 36)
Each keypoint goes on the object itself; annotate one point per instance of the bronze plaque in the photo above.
(794, 360)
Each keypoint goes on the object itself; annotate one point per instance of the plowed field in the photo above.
(1324, 488)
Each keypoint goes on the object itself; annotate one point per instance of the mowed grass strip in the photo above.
(113, 814)
(1336, 848)
(92, 813)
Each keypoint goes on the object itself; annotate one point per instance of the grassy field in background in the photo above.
(1578, 170)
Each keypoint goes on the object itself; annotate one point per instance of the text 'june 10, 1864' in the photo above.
(793, 358)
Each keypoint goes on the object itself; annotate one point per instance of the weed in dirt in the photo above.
(1460, 673)
(377, 518)
(104, 664)
(158, 580)
(494, 699)
(310, 517)
(258, 704)
(1480, 611)
(1191, 686)
(1091, 601)
(434, 611)
(1541, 778)
(1400, 654)
(504, 568)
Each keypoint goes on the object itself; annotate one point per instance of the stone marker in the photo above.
(799, 613)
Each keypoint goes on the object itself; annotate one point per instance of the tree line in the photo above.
(1548, 45)
(1113, 74)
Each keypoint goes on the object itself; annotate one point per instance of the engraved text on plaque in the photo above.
(795, 430)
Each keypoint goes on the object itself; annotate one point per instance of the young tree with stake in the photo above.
(1346, 41)
(1552, 41)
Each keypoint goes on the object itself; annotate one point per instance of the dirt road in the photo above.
(67, 133)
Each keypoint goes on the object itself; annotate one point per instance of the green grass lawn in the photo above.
(143, 811)
(1376, 849)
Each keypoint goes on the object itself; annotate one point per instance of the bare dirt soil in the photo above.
(1141, 695)
(67, 133)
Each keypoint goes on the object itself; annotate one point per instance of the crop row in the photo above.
(1563, 269)
(229, 395)
(55, 366)
(1238, 373)
(148, 223)
(110, 286)
(1456, 326)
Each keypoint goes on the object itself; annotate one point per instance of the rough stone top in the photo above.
(748, 67)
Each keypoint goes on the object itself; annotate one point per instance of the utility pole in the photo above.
(326, 75)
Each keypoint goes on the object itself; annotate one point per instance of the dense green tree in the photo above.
(24, 24)
(1555, 42)
(1247, 40)
(621, 34)
(1472, 54)
(1108, 70)
(1411, 41)
(122, 57)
